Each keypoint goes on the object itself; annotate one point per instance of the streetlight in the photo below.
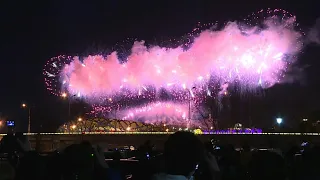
(24, 105)
(65, 96)
(279, 120)
(189, 111)
(115, 109)
(80, 120)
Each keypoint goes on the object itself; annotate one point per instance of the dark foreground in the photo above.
(50, 142)
(285, 158)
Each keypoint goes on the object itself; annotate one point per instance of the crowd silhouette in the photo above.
(184, 157)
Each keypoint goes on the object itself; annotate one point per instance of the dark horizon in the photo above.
(33, 32)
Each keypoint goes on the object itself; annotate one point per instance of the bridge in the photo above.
(51, 141)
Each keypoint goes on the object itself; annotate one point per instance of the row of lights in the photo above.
(279, 121)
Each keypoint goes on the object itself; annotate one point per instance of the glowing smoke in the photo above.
(251, 57)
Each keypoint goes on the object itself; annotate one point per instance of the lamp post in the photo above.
(115, 108)
(115, 111)
(73, 127)
(279, 122)
(81, 123)
(29, 116)
(189, 111)
(65, 96)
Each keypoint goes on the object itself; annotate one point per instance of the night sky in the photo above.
(34, 31)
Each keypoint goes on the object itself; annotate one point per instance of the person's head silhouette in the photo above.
(183, 152)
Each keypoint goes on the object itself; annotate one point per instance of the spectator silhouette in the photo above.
(183, 152)
(79, 162)
(310, 165)
(8, 144)
(31, 166)
(246, 155)
(145, 150)
(7, 171)
(267, 165)
(245, 159)
(229, 162)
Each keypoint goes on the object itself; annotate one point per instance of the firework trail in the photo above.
(159, 112)
(256, 53)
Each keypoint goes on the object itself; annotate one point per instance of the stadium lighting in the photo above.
(279, 120)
